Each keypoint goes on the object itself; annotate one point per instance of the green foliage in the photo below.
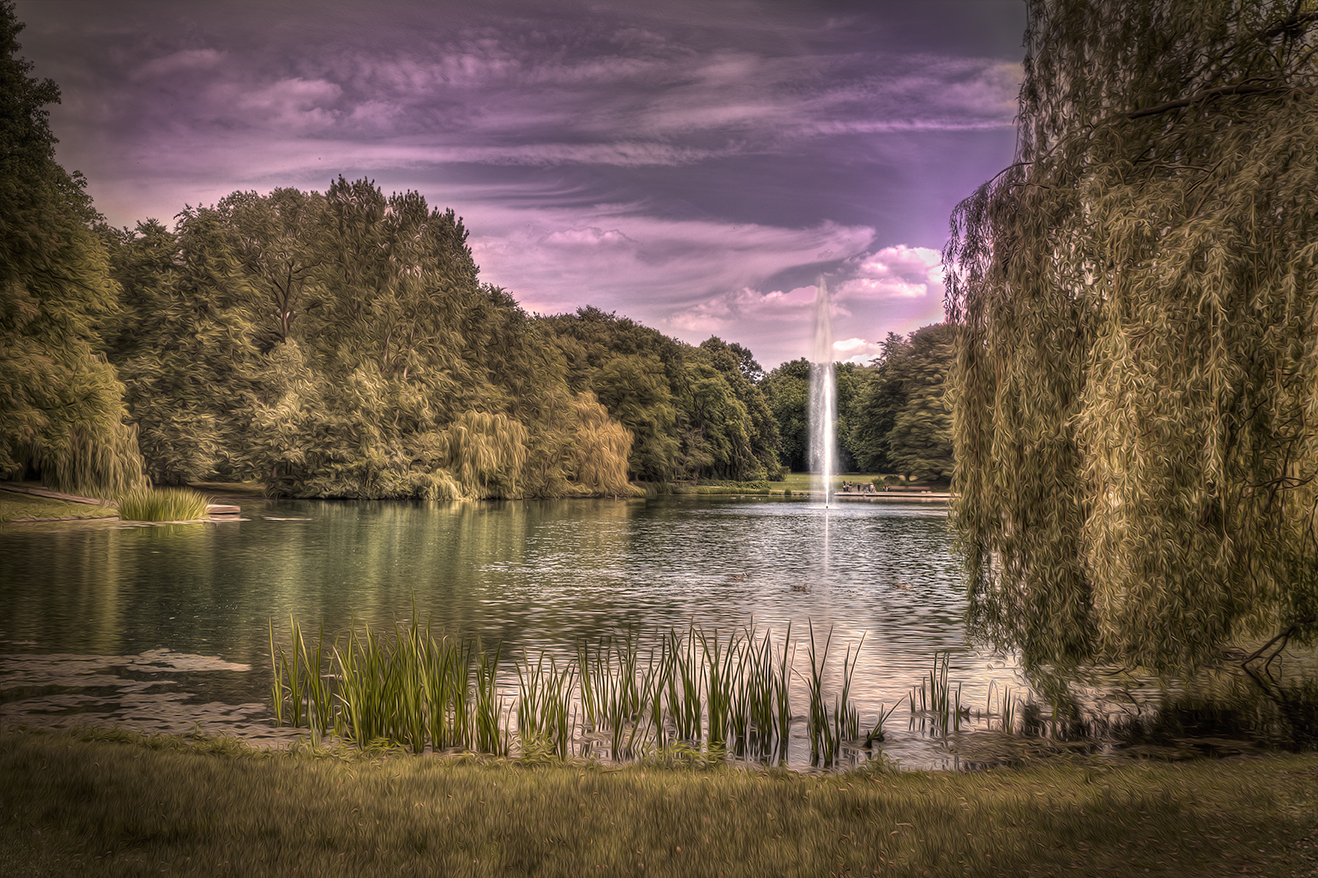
(340, 345)
(901, 423)
(1134, 395)
(635, 390)
(787, 391)
(61, 409)
(692, 412)
(637, 373)
(787, 394)
(167, 504)
(187, 348)
(740, 371)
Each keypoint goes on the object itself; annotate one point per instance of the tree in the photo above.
(902, 423)
(61, 403)
(743, 374)
(341, 345)
(1136, 387)
(634, 390)
(275, 238)
(192, 368)
(787, 391)
(638, 373)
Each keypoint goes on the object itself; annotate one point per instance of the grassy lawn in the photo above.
(801, 481)
(25, 507)
(75, 804)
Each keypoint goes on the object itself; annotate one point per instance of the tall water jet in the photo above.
(823, 400)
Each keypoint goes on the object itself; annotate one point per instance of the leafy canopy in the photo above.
(61, 404)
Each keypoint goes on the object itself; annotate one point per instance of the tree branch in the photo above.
(1243, 88)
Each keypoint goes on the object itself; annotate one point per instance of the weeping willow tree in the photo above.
(597, 460)
(1136, 386)
(61, 404)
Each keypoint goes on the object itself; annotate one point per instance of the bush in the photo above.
(165, 504)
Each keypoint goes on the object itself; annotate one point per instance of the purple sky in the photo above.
(691, 165)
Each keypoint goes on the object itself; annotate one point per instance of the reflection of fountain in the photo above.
(823, 399)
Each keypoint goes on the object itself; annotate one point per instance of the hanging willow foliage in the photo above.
(597, 460)
(486, 453)
(61, 406)
(1136, 389)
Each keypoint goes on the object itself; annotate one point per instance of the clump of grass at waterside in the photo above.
(118, 805)
(698, 691)
(162, 504)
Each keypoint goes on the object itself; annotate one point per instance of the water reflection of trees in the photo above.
(1220, 711)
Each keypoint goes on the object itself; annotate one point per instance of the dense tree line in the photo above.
(1136, 391)
(341, 344)
(694, 412)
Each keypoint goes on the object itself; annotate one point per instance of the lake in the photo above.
(166, 627)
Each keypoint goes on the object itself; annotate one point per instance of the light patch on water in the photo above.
(127, 692)
(28, 671)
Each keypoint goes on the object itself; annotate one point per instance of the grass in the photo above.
(26, 507)
(801, 482)
(163, 504)
(118, 805)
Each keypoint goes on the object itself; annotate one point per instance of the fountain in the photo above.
(823, 400)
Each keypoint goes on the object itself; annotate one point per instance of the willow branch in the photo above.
(1206, 95)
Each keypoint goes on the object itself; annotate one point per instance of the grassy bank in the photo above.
(73, 805)
(26, 507)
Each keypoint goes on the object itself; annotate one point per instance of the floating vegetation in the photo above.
(162, 504)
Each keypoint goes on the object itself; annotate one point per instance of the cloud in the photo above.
(290, 105)
(898, 272)
(182, 61)
(691, 165)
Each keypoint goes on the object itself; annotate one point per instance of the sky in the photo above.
(695, 166)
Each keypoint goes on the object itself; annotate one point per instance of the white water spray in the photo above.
(823, 400)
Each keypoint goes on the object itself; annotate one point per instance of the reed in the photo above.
(684, 669)
(162, 504)
(846, 716)
(940, 703)
(491, 733)
(698, 691)
(721, 664)
(544, 712)
(1006, 707)
(876, 732)
(824, 743)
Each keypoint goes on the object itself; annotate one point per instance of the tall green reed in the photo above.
(940, 703)
(544, 711)
(695, 689)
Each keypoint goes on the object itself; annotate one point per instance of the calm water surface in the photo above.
(166, 627)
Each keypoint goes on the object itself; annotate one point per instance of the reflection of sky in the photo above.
(691, 165)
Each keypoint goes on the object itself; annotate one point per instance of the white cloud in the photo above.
(293, 106)
(898, 272)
